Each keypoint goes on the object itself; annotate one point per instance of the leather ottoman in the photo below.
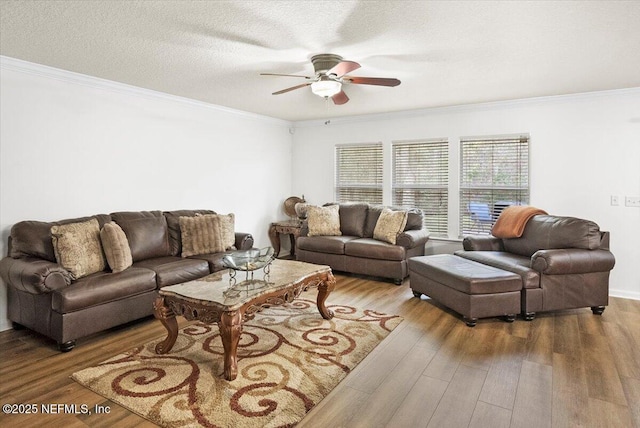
(472, 289)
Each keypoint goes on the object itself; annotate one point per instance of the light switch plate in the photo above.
(615, 200)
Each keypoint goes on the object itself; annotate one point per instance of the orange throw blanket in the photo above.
(512, 221)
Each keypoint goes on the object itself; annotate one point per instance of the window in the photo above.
(359, 173)
(494, 173)
(421, 180)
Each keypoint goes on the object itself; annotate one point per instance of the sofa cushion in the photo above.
(373, 249)
(173, 224)
(520, 265)
(353, 217)
(215, 260)
(324, 244)
(77, 247)
(414, 219)
(206, 234)
(547, 232)
(102, 287)
(116, 247)
(147, 233)
(175, 270)
(389, 225)
(324, 221)
(33, 238)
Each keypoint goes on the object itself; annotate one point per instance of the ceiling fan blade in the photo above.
(285, 75)
(343, 67)
(340, 98)
(291, 88)
(379, 81)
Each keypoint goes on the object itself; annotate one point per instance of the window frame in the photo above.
(435, 193)
(359, 191)
(481, 204)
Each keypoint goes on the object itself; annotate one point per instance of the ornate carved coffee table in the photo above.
(217, 298)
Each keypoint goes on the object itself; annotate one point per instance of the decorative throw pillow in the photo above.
(206, 234)
(116, 247)
(389, 225)
(324, 221)
(227, 226)
(77, 247)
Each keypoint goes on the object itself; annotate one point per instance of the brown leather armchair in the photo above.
(564, 263)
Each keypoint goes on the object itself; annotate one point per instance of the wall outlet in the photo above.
(615, 200)
(632, 201)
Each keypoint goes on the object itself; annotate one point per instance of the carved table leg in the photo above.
(230, 329)
(168, 320)
(292, 240)
(324, 289)
(274, 237)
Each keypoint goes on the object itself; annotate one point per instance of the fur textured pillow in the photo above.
(227, 226)
(389, 225)
(116, 247)
(77, 247)
(324, 221)
(206, 234)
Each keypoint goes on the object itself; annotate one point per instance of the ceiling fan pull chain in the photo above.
(326, 104)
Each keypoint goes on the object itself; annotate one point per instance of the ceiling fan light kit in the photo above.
(326, 87)
(331, 72)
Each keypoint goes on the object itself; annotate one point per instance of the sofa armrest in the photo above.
(32, 275)
(244, 241)
(482, 243)
(412, 238)
(572, 260)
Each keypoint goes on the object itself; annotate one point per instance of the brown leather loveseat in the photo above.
(564, 263)
(355, 250)
(46, 298)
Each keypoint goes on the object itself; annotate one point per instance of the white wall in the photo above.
(584, 148)
(71, 146)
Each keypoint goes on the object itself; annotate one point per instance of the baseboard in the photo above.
(5, 325)
(634, 295)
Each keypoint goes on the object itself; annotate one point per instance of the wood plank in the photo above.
(385, 400)
(487, 415)
(533, 398)
(501, 384)
(632, 392)
(446, 361)
(420, 403)
(459, 400)
(603, 380)
(570, 391)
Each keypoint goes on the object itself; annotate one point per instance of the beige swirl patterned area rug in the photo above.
(289, 358)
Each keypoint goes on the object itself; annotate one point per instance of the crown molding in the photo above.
(20, 66)
(468, 107)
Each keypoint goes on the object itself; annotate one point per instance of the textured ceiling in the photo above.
(444, 52)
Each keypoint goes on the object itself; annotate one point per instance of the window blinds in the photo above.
(494, 173)
(359, 173)
(421, 180)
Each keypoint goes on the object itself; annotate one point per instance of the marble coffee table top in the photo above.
(219, 288)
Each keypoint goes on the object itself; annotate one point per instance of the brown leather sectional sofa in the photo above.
(43, 296)
(355, 251)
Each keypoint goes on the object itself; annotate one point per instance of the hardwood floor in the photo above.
(564, 369)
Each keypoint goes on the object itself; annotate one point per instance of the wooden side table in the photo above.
(287, 227)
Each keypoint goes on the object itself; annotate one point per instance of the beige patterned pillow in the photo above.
(324, 221)
(389, 225)
(77, 247)
(206, 234)
(116, 247)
